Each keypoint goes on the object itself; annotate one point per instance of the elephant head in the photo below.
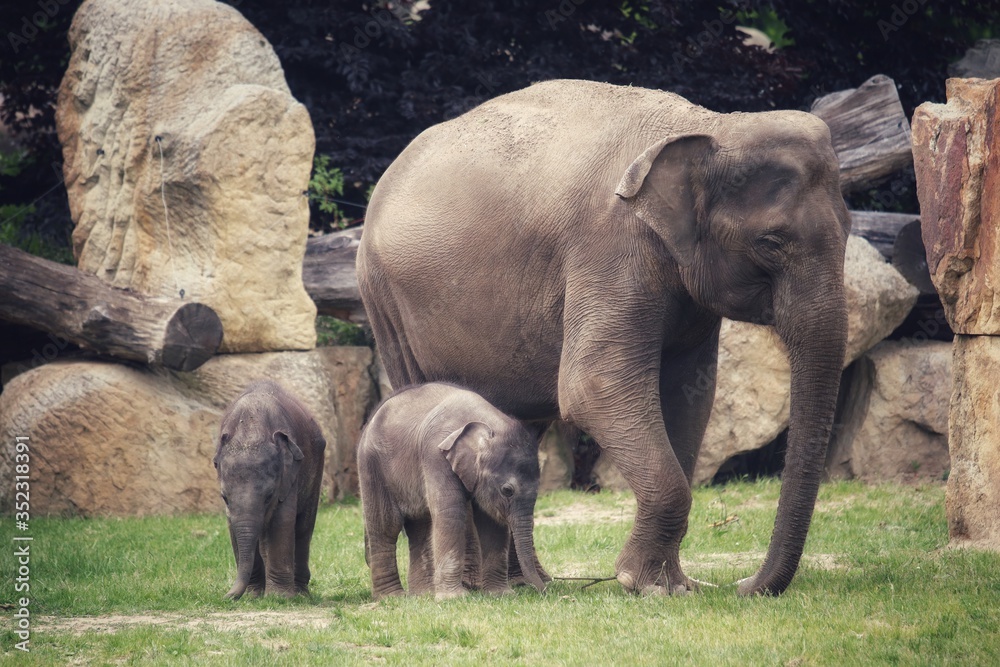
(752, 213)
(257, 470)
(500, 471)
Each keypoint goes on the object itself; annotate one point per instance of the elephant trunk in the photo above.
(522, 531)
(813, 326)
(245, 536)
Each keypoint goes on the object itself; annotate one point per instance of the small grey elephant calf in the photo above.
(270, 464)
(425, 455)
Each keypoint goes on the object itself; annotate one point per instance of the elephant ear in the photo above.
(659, 187)
(223, 439)
(291, 455)
(462, 448)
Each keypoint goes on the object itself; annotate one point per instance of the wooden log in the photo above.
(880, 229)
(870, 132)
(329, 278)
(87, 311)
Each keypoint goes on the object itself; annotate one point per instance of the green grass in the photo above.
(878, 585)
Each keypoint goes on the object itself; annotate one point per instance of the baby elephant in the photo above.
(426, 453)
(270, 464)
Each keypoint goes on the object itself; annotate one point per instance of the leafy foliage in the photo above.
(331, 331)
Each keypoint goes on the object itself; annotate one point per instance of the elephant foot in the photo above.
(653, 577)
(394, 593)
(499, 589)
(450, 594)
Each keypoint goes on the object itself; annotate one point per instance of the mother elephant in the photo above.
(569, 250)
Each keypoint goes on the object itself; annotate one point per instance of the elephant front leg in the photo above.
(278, 547)
(304, 525)
(494, 544)
(472, 576)
(448, 529)
(620, 410)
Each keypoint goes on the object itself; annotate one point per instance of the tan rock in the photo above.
(108, 438)
(555, 456)
(185, 161)
(973, 494)
(903, 431)
(752, 391)
(957, 162)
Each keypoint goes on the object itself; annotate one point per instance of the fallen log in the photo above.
(880, 229)
(85, 310)
(329, 278)
(870, 132)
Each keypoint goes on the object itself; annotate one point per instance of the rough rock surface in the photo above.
(109, 438)
(901, 432)
(973, 494)
(185, 161)
(555, 456)
(958, 183)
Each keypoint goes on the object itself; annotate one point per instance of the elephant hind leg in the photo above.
(390, 337)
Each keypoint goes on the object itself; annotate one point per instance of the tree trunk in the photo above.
(87, 311)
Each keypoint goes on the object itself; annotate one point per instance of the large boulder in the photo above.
(900, 431)
(957, 163)
(108, 438)
(185, 162)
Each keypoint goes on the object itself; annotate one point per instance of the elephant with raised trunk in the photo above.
(269, 460)
(568, 251)
(427, 455)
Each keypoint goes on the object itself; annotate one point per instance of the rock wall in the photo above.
(973, 494)
(116, 439)
(185, 161)
(956, 148)
(900, 432)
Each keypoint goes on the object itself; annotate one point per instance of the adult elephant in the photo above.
(569, 250)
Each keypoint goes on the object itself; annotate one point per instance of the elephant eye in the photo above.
(268, 497)
(507, 490)
(770, 241)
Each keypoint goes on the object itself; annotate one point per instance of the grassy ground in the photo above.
(878, 586)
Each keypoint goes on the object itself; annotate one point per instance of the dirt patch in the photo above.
(583, 512)
(218, 621)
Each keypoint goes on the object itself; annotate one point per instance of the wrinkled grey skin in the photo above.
(426, 455)
(568, 251)
(269, 458)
